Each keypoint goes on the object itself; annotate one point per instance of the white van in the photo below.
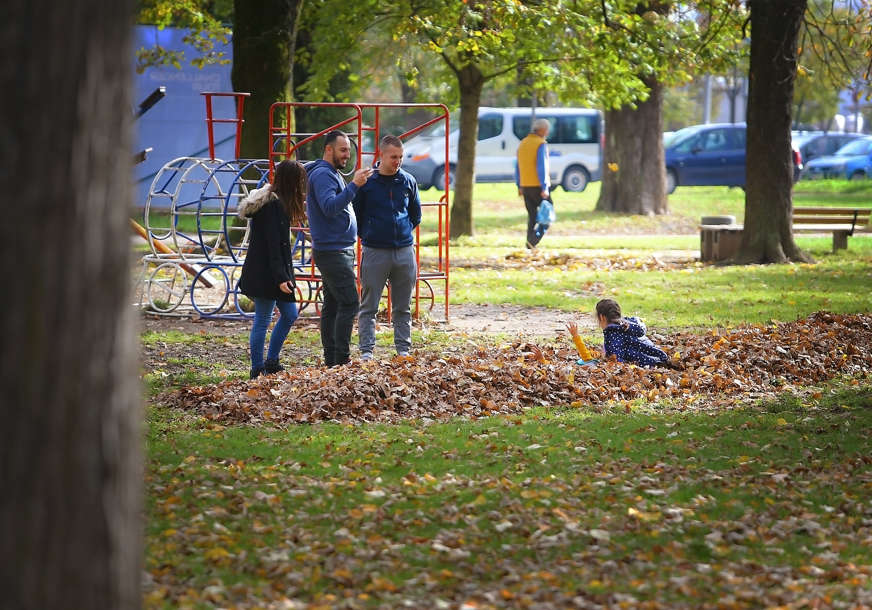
(575, 144)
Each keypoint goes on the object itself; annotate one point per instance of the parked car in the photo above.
(575, 145)
(853, 161)
(710, 155)
(814, 144)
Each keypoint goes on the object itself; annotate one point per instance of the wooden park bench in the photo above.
(720, 236)
(841, 222)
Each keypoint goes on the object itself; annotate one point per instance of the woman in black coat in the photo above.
(268, 271)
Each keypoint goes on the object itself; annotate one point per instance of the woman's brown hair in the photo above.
(289, 185)
(610, 309)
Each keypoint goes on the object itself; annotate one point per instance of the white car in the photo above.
(575, 143)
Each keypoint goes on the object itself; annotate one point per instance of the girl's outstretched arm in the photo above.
(580, 347)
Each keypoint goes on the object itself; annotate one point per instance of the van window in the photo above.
(570, 129)
(490, 126)
(521, 126)
(575, 130)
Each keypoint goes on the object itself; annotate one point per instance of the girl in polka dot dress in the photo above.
(625, 337)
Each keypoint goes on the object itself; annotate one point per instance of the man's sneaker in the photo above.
(365, 356)
(403, 354)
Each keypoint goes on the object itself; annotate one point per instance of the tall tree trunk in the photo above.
(634, 180)
(263, 64)
(768, 237)
(471, 82)
(70, 464)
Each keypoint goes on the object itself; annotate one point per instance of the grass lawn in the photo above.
(759, 506)
(695, 296)
(497, 209)
(753, 503)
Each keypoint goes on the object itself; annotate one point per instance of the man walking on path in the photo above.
(389, 209)
(333, 227)
(532, 175)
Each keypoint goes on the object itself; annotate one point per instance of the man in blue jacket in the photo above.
(388, 208)
(333, 227)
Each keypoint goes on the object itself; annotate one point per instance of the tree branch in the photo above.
(614, 25)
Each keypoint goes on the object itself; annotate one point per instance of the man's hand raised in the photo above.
(361, 176)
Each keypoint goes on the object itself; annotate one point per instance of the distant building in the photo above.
(730, 105)
(733, 99)
(176, 125)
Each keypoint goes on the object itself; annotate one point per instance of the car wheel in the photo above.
(858, 175)
(671, 181)
(575, 179)
(438, 180)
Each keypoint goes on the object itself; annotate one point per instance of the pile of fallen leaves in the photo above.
(751, 360)
(526, 259)
(523, 259)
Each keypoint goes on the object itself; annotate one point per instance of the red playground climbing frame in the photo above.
(363, 123)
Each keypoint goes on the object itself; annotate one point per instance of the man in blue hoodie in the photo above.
(389, 209)
(333, 227)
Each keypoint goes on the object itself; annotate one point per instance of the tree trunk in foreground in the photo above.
(768, 236)
(70, 472)
(634, 180)
(471, 83)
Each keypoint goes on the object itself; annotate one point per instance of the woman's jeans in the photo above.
(263, 312)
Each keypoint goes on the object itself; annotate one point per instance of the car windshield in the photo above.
(857, 147)
(681, 135)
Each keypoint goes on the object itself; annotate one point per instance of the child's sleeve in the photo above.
(581, 348)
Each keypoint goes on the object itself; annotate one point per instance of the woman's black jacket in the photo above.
(268, 261)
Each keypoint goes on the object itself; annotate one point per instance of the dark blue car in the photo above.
(703, 155)
(709, 155)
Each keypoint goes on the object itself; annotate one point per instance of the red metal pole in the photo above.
(209, 125)
(240, 103)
